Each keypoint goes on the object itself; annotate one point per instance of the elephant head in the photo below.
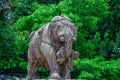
(64, 31)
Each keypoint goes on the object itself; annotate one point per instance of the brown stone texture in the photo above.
(51, 47)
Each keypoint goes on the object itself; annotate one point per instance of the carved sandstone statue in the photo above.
(51, 47)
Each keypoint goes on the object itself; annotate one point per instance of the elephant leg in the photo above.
(54, 71)
(52, 61)
(32, 70)
(54, 75)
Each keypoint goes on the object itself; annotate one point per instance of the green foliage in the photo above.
(8, 56)
(97, 69)
(37, 19)
(118, 39)
(110, 25)
(14, 9)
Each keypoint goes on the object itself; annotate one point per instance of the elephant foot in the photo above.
(54, 76)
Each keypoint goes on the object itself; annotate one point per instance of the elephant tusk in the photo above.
(74, 38)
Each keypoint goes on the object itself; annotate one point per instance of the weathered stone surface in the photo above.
(51, 47)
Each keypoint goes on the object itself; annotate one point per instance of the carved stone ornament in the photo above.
(51, 47)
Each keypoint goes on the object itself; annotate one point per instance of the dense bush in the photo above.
(96, 68)
(109, 26)
(10, 54)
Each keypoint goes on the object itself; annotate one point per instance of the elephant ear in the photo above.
(74, 29)
(53, 29)
(40, 31)
(49, 29)
(31, 34)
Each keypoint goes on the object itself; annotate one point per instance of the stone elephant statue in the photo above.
(51, 47)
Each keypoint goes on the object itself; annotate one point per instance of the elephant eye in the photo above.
(59, 25)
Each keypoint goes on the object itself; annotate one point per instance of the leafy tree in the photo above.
(110, 24)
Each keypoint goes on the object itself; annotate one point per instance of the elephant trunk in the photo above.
(68, 46)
